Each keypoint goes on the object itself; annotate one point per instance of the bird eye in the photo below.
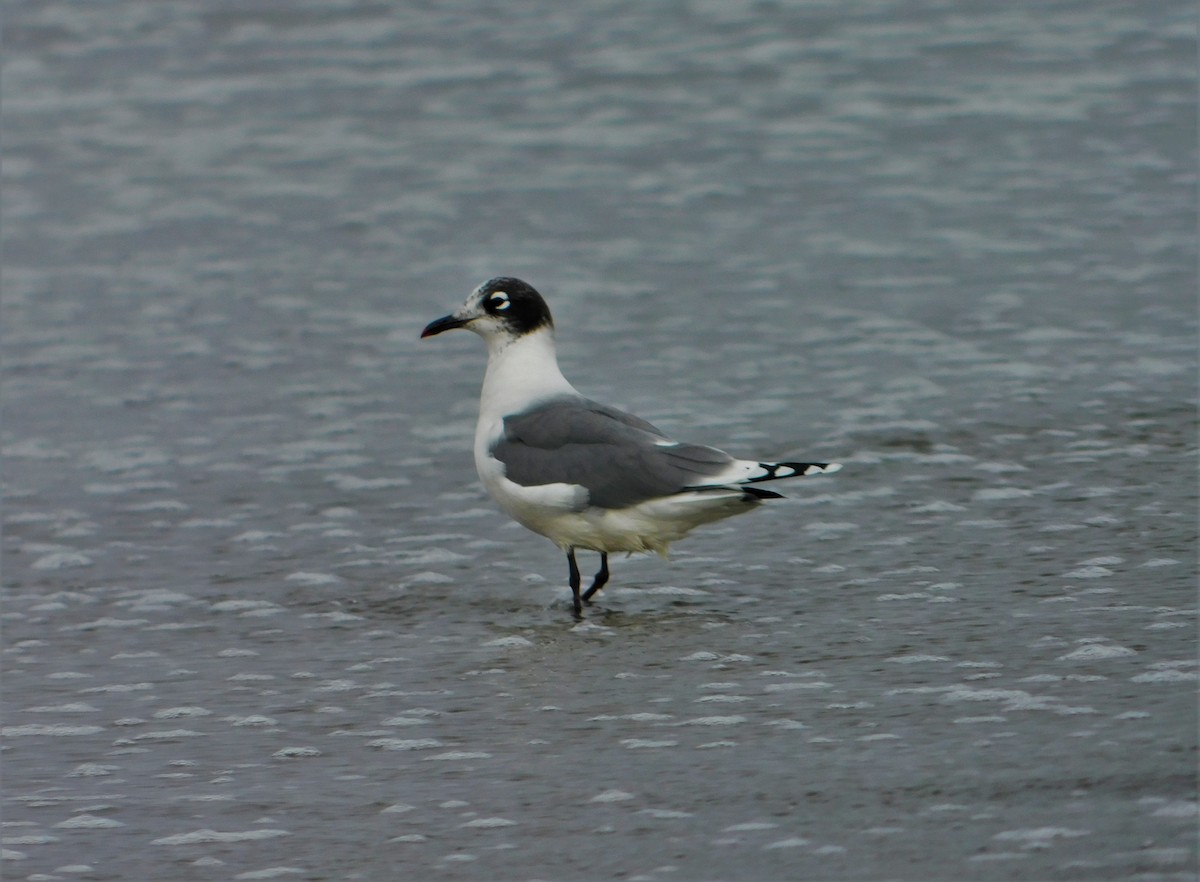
(498, 301)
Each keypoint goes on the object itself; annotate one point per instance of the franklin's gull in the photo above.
(583, 474)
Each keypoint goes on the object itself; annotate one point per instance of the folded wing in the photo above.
(619, 459)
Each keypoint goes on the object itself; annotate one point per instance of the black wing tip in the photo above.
(774, 471)
(759, 493)
(777, 470)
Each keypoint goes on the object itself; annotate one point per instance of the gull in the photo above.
(583, 474)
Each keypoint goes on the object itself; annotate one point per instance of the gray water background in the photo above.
(260, 620)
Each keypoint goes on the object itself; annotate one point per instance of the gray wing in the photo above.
(619, 459)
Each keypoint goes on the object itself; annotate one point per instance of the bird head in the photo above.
(502, 307)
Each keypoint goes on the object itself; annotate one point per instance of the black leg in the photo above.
(601, 578)
(575, 582)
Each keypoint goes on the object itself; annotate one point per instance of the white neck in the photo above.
(520, 371)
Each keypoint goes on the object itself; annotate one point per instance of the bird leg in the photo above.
(601, 578)
(574, 568)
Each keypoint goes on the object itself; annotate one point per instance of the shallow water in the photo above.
(260, 620)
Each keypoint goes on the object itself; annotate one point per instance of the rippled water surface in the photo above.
(260, 620)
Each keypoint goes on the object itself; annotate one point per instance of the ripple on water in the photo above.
(205, 836)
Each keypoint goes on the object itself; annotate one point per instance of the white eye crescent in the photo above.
(499, 300)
